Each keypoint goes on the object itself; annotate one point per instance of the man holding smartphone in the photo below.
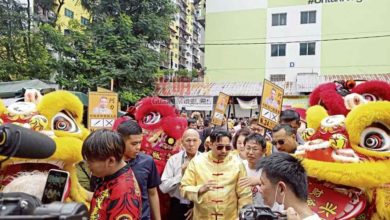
(118, 195)
(56, 185)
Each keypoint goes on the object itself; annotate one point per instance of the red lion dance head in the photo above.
(338, 97)
(162, 128)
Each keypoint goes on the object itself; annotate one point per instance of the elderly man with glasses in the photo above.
(211, 181)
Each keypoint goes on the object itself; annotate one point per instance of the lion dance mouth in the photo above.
(59, 120)
(347, 160)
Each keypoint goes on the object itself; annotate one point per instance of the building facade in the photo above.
(183, 50)
(292, 41)
(60, 12)
(68, 11)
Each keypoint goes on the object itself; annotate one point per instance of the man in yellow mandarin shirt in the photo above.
(211, 182)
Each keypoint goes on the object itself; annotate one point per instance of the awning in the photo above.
(14, 88)
(165, 89)
(251, 104)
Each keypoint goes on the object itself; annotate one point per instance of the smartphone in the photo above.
(55, 187)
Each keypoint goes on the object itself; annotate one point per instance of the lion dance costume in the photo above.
(163, 129)
(59, 115)
(347, 153)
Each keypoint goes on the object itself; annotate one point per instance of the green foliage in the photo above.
(117, 44)
(194, 73)
(23, 55)
(182, 72)
(150, 18)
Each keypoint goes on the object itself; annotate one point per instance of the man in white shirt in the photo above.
(255, 147)
(102, 107)
(173, 173)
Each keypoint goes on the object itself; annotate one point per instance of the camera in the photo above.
(256, 212)
(22, 206)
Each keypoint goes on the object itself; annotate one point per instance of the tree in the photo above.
(118, 44)
(22, 52)
(150, 18)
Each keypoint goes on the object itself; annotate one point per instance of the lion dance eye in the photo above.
(152, 118)
(373, 141)
(64, 122)
(376, 139)
(370, 97)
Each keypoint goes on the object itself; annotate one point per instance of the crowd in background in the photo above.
(291, 124)
(218, 171)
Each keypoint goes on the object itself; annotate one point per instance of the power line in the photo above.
(303, 67)
(300, 36)
(287, 42)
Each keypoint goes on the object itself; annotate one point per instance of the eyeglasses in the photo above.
(221, 146)
(256, 129)
(252, 149)
(280, 142)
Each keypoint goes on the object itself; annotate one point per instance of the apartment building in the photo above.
(183, 50)
(296, 41)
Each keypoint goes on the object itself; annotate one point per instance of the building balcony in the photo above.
(187, 31)
(195, 39)
(185, 47)
(165, 65)
(195, 33)
(183, 18)
(180, 6)
(201, 47)
(200, 16)
(182, 27)
(182, 37)
(173, 28)
(182, 63)
(195, 59)
(182, 55)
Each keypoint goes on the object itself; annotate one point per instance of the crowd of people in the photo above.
(218, 171)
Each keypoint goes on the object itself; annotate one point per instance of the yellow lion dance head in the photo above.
(59, 115)
(348, 161)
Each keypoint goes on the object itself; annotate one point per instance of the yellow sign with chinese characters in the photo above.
(102, 109)
(220, 109)
(271, 105)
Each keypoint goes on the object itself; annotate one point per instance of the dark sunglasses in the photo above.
(280, 142)
(227, 147)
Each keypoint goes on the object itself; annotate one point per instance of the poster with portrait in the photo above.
(220, 109)
(271, 105)
(102, 109)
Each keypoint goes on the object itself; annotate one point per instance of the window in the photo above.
(279, 19)
(307, 49)
(69, 13)
(66, 31)
(278, 77)
(84, 21)
(278, 50)
(308, 17)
